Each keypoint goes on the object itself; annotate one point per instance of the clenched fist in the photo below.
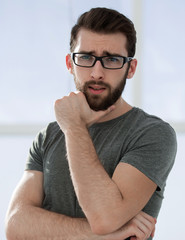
(73, 110)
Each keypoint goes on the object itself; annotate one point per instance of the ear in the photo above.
(132, 69)
(69, 63)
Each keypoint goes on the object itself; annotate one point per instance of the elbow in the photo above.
(99, 229)
(9, 235)
(103, 226)
(11, 229)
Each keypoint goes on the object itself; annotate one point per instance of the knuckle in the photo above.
(57, 102)
(141, 236)
(80, 94)
(71, 94)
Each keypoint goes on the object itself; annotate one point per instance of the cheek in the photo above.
(81, 75)
(115, 79)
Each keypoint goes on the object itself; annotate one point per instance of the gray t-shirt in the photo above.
(137, 138)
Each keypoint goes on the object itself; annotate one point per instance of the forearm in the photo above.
(94, 188)
(34, 223)
(108, 203)
(26, 220)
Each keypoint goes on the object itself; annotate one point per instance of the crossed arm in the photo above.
(27, 220)
(107, 203)
(112, 206)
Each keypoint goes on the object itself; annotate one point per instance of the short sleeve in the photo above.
(35, 156)
(153, 151)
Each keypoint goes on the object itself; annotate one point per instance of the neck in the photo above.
(121, 107)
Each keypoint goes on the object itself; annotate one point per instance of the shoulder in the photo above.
(42, 142)
(153, 132)
(52, 129)
(151, 147)
(146, 124)
(47, 135)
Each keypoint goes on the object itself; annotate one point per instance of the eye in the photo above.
(85, 57)
(112, 59)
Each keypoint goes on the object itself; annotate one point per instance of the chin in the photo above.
(102, 106)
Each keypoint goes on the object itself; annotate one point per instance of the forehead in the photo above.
(98, 43)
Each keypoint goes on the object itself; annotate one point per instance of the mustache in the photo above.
(93, 82)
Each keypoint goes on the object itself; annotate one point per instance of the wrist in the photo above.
(75, 130)
(72, 126)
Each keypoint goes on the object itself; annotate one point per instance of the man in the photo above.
(100, 170)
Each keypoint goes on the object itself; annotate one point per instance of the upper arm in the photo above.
(135, 188)
(145, 166)
(29, 191)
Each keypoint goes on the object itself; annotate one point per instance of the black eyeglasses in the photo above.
(109, 62)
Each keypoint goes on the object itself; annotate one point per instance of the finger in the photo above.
(111, 108)
(145, 223)
(153, 232)
(146, 219)
(97, 115)
(105, 112)
(144, 231)
(76, 91)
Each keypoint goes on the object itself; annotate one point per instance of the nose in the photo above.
(97, 71)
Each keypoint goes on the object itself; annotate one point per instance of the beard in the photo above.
(97, 102)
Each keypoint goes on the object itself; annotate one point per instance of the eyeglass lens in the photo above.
(88, 60)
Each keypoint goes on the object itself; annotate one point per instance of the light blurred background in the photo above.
(34, 39)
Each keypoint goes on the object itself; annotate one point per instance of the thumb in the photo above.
(97, 115)
(111, 108)
(101, 114)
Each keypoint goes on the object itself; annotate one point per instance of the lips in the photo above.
(96, 89)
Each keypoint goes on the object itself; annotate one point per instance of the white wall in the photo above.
(33, 43)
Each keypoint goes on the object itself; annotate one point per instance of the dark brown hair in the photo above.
(104, 20)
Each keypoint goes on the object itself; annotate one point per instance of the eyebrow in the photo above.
(105, 53)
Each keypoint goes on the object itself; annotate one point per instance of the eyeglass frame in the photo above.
(125, 60)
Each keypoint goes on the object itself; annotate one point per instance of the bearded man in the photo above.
(98, 172)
